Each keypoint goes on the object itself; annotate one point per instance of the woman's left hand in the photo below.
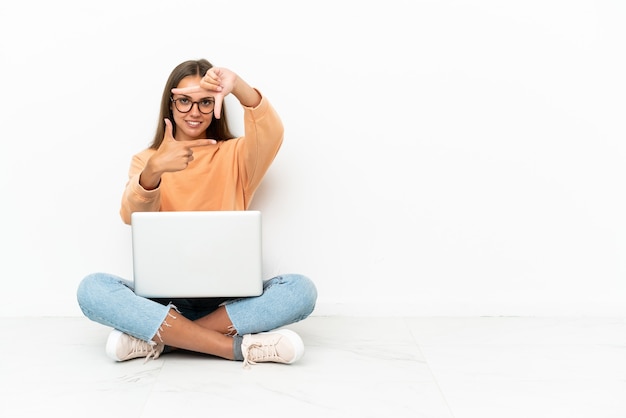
(219, 81)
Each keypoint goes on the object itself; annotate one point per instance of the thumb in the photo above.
(217, 111)
(169, 130)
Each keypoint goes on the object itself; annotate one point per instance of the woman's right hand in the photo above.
(171, 156)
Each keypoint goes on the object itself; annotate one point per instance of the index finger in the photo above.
(188, 90)
(199, 142)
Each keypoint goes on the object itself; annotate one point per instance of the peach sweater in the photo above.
(223, 176)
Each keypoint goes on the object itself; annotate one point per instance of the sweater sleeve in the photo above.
(135, 198)
(263, 137)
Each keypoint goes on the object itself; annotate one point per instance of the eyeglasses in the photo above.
(184, 105)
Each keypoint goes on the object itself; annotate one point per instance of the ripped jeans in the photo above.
(111, 301)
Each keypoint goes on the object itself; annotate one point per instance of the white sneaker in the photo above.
(122, 347)
(281, 346)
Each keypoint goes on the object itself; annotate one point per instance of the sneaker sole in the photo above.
(111, 346)
(295, 340)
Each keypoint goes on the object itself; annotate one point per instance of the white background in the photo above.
(440, 157)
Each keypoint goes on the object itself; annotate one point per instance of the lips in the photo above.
(193, 123)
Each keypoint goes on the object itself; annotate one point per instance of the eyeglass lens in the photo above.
(184, 105)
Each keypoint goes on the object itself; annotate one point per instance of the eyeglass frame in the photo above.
(193, 103)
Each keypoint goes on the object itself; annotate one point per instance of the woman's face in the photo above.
(192, 124)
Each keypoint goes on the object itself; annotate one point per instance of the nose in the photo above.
(196, 106)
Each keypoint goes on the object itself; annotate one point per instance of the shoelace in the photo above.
(140, 346)
(152, 354)
(259, 352)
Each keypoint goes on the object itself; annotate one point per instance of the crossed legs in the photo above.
(228, 329)
(209, 334)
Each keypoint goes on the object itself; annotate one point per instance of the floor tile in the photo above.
(353, 366)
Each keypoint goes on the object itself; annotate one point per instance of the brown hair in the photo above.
(218, 129)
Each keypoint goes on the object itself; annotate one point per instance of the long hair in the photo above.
(218, 129)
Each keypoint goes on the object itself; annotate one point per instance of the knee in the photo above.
(87, 291)
(85, 288)
(93, 288)
(303, 290)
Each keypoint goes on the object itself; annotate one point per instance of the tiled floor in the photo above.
(353, 367)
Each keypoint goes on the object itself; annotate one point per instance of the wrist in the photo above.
(247, 95)
(149, 179)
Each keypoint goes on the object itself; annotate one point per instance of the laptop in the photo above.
(197, 254)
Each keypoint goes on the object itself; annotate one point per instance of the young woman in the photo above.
(195, 164)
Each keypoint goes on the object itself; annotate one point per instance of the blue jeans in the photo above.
(111, 301)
